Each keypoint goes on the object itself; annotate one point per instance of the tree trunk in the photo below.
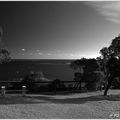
(110, 79)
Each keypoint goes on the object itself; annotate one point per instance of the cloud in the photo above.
(72, 55)
(49, 54)
(40, 53)
(38, 50)
(23, 50)
(109, 9)
(31, 54)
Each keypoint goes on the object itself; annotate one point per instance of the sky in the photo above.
(58, 30)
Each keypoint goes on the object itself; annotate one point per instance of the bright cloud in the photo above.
(23, 50)
(38, 50)
(109, 9)
(40, 53)
(49, 53)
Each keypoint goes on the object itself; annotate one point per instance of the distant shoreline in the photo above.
(40, 59)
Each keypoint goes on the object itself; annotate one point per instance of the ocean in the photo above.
(52, 69)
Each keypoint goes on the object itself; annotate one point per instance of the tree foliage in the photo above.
(4, 56)
(111, 61)
(85, 65)
(78, 65)
(88, 75)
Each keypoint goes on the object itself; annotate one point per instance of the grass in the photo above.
(90, 105)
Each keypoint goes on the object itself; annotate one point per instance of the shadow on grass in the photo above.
(43, 99)
(80, 100)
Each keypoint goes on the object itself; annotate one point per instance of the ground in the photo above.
(90, 105)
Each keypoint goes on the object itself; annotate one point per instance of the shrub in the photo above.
(116, 83)
(92, 81)
(30, 79)
(56, 85)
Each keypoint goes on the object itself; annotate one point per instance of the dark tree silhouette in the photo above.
(4, 53)
(111, 61)
(78, 65)
(105, 56)
(102, 60)
(4, 56)
(112, 66)
(84, 67)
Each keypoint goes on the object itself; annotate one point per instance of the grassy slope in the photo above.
(84, 105)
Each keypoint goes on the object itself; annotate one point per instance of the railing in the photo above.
(3, 90)
(38, 81)
(24, 88)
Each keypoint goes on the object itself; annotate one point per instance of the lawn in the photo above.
(90, 105)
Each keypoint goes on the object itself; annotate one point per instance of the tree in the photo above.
(85, 67)
(91, 65)
(102, 61)
(104, 58)
(90, 76)
(111, 61)
(78, 65)
(32, 79)
(114, 48)
(4, 56)
(56, 85)
(4, 53)
(112, 67)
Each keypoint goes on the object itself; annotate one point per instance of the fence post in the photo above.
(23, 90)
(3, 91)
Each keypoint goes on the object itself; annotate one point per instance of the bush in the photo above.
(28, 82)
(116, 83)
(92, 81)
(30, 79)
(70, 87)
(56, 85)
(16, 86)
